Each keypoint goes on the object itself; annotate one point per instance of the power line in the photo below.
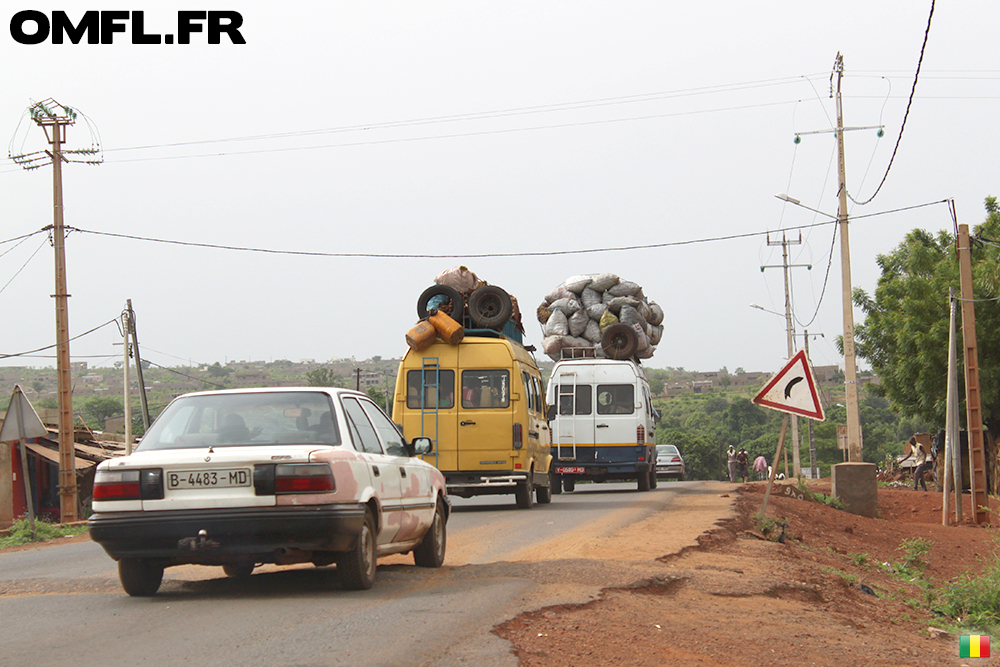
(171, 370)
(18, 272)
(456, 135)
(481, 115)
(49, 347)
(550, 253)
(906, 114)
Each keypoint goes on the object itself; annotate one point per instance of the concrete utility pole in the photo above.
(850, 363)
(790, 334)
(54, 118)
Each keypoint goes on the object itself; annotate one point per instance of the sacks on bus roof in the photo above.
(577, 312)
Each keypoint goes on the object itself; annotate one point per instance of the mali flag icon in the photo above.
(974, 646)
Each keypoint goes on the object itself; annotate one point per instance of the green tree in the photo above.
(217, 370)
(99, 408)
(324, 377)
(905, 333)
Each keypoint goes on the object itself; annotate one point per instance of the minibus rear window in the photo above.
(583, 401)
(486, 389)
(438, 390)
(615, 399)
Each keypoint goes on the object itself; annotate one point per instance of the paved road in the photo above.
(63, 604)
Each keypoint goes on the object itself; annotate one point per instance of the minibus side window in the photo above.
(583, 401)
(446, 390)
(485, 389)
(539, 395)
(528, 390)
(615, 399)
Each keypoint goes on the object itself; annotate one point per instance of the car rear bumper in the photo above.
(261, 533)
(669, 470)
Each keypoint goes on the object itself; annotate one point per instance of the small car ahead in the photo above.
(243, 477)
(669, 462)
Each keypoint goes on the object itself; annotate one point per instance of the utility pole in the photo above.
(138, 366)
(850, 363)
(54, 118)
(812, 440)
(128, 381)
(973, 409)
(790, 335)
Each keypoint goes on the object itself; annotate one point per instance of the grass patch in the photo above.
(974, 602)
(20, 532)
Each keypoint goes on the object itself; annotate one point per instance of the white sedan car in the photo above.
(669, 462)
(249, 476)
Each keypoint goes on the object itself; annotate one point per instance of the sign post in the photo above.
(792, 391)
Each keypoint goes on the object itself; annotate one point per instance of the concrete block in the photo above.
(855, 485)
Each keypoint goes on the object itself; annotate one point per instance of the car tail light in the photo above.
(144, 484)
(640, 435)
(676, 459)
(518, 436)
(286, 478)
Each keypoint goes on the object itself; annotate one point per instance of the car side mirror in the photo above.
(551, 414)
(422, 445)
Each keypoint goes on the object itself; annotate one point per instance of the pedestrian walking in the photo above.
(760, 466)
(743, 459)
(732, 463)
(918, 451)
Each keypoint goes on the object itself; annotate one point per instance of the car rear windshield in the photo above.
(231, 420)
(667, 449)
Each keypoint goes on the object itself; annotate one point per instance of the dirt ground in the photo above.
(737, 599)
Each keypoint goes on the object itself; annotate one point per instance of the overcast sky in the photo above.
(470, 128)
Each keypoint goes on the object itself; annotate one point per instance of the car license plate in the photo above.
(208, 479)
(564, 469)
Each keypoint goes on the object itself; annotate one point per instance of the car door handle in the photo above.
(468, 423)
(375, 471)
(602, 426)
(402, 472)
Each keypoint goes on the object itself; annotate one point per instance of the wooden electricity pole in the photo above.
(973, 410)
(54, 118)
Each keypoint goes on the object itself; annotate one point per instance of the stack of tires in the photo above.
(460, 294)
(602, 312)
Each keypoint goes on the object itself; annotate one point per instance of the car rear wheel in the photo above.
(240, 570)
(523, 494)
(357, 566)
(430, 551)
(643, 481)
(543, 494)
(555, 483)
(139, 578)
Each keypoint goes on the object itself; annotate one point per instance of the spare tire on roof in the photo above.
(620, 341)
(451, 294)
(490, 307)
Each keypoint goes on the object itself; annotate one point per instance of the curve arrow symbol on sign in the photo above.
(788, 387)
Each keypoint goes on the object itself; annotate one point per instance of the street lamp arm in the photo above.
(793, 200)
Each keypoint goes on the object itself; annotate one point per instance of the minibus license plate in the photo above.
(569, 469)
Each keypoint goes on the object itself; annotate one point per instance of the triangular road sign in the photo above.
(21, 421)
(792, 390)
